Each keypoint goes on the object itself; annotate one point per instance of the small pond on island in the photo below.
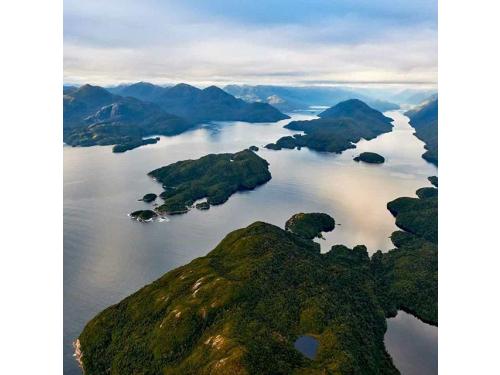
(307, 345)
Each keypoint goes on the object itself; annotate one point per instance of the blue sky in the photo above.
(256, 42)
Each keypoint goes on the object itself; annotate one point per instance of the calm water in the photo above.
(413, 345)
(307, 345)
(107, 256)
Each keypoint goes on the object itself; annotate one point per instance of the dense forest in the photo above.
(214, 177)
(425, 121)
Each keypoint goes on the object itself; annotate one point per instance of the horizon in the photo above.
(280, 43)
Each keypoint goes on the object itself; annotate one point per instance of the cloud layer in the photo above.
(276, 41)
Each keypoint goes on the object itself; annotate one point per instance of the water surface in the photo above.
(107, 255)
(413, 345)
(307, 345)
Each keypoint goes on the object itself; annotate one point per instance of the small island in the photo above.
(253, 148)
(337, 129)
(310, 225)
(370, 157)
(148, 198)
(143, 215)
(215, 177)
(203, 206)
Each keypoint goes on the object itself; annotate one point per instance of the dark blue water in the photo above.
(107, 256)
(307, 345)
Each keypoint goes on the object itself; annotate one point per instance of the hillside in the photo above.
(289, 98)
(94, 116)
(337, 129)
(425, 121)
(200, 105)
(240, 309)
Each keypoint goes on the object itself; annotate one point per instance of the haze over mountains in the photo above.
(288, 98)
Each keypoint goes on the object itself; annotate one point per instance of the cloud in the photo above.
(290, 42)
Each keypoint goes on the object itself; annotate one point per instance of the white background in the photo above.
(31, 187)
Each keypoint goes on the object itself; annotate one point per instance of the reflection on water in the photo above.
(412, 344)
(108, 256)
(307, 345)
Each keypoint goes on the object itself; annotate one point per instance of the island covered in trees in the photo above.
(425, 121)
(239, 309)
(127, 116)
(214, 177)
(370, 157)
(337, 129)
(310, 225)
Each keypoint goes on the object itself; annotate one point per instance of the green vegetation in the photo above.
(433, 180)
(143, 215)
(407, 277)
(200, 105)
(338, 128)
(203, 206)
(148, 198)
(123, 147)
(425, 121)
(253, 148)
(215, 177)
(310, 225)
(370, 157)
(93, 116)
(240, 309)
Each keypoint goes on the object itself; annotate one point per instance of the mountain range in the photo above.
(289, 98)
(198, 105)
(123, 116)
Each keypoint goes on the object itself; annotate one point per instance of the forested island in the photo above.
(425, 121)
(95, 116)
(370, 157)
(310, 225)
(215, 177)
(337, 129)
(240, 309)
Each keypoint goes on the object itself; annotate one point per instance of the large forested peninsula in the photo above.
(214, 177)
(425, 121)
(337, 129)
(95, 116)
(240, 309)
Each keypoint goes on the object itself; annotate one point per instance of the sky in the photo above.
(287, 42)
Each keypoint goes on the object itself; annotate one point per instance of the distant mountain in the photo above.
(337, 129)
(94, 116)
(288, 98)
(140, 90)
(425, 121)
(197, 105)
(356, 110)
